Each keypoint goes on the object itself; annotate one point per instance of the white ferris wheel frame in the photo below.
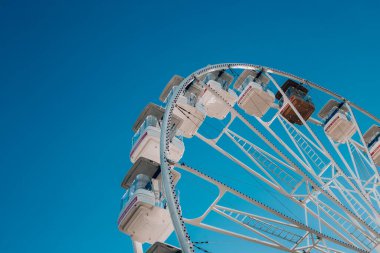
(368, 226)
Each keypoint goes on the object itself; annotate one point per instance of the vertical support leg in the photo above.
(137, 247)
(307, 224)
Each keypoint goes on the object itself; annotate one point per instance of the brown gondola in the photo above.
(298, 97)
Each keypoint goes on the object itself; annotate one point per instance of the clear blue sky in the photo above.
(74, 76)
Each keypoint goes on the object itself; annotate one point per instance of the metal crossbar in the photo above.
(264, 161)
(304, 145)
(262, 226)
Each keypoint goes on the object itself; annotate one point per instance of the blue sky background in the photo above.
(74, 76)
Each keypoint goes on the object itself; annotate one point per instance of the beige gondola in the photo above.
(146, 141)
(338, 126)
(254, 98)
(218, 105)
(160, 247)
(143, 213)
(188, 107)
(372, 139)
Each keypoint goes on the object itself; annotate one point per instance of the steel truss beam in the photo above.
(317, 189)
(273, 230)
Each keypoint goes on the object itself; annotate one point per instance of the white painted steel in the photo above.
(361, 216)
(137, 247)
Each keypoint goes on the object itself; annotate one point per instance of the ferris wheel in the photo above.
(293, 166)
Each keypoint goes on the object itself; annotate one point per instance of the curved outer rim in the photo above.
(169, 188)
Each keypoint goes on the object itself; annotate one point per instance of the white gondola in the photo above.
(338, 126)
(160, 247)
(146, 141)
(215, 105)
(372, 139)
(188, 107)
(144, 215)
(254, 98)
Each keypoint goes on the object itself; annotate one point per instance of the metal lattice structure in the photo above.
(334, 181)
